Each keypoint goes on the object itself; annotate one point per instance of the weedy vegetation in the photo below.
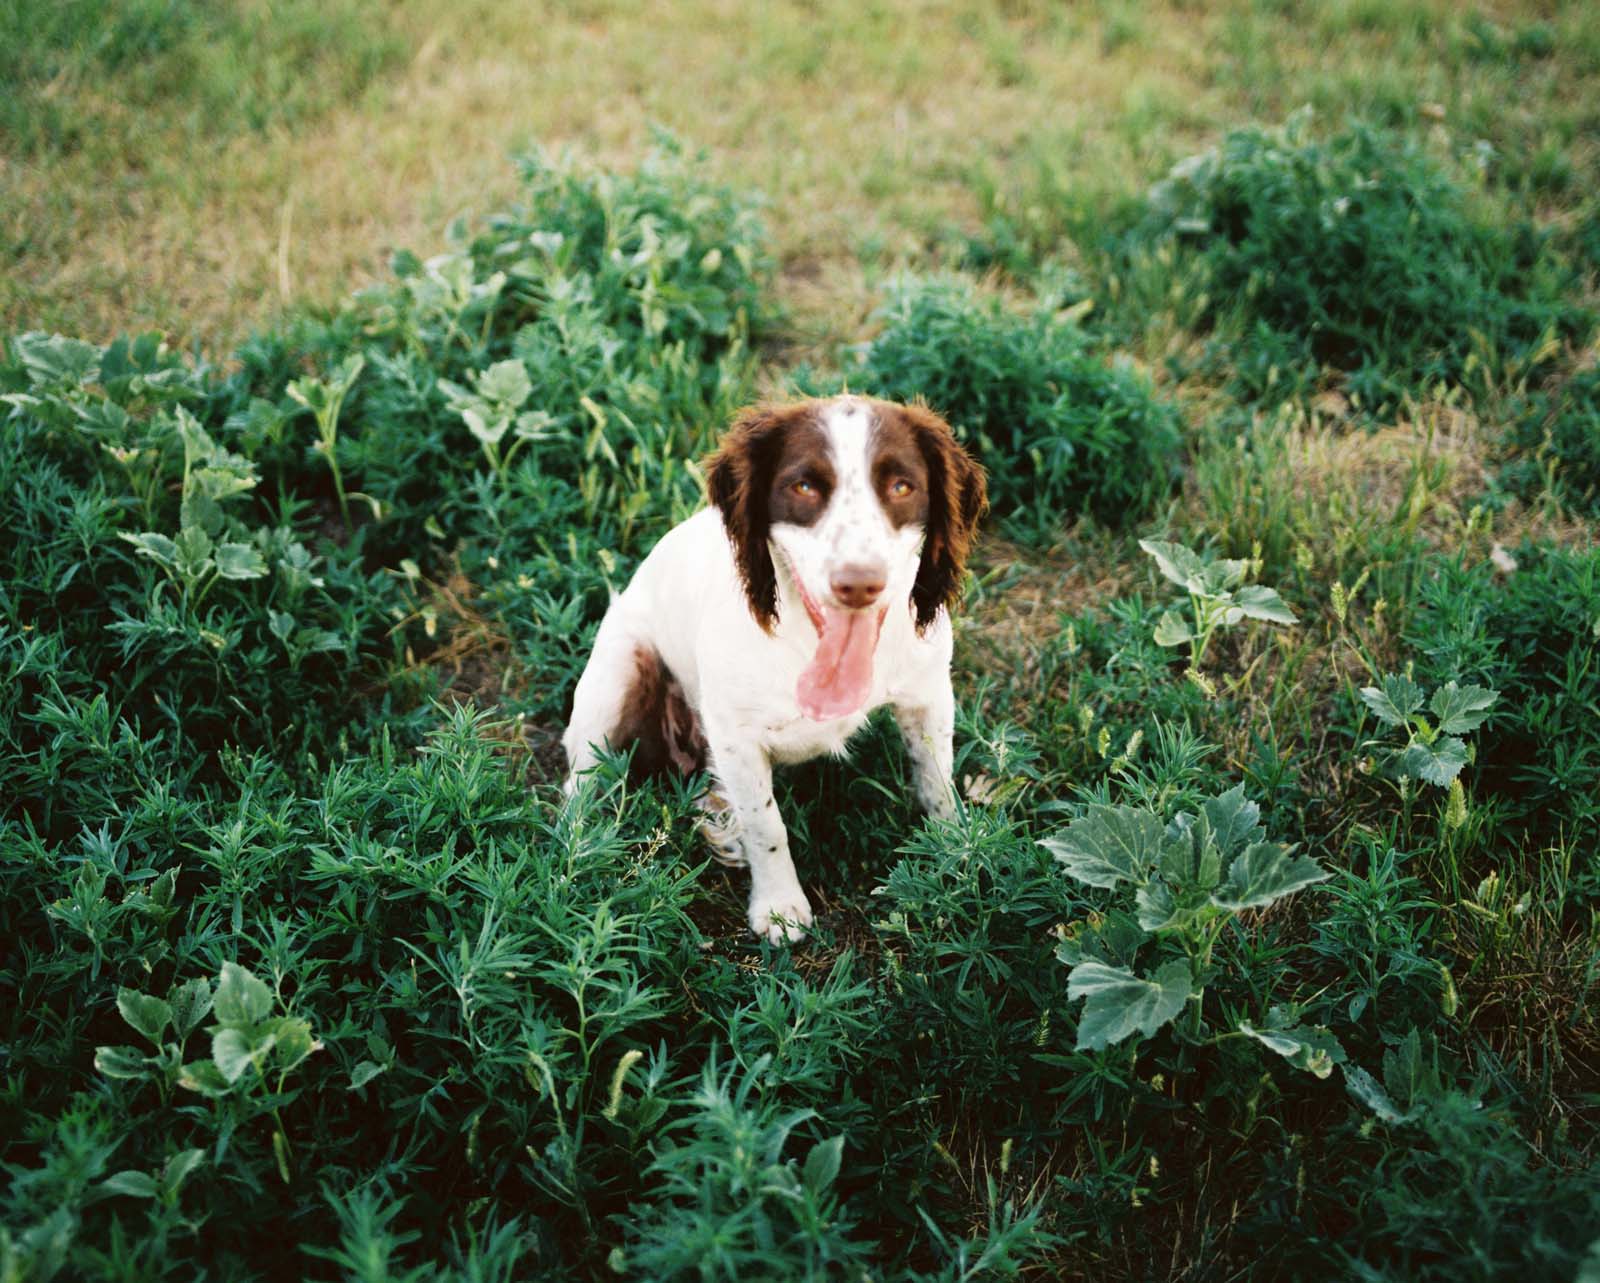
(1263, 944)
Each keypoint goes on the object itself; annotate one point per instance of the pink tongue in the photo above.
(839, 677)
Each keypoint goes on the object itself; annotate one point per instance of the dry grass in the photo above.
(866, 126)
(860, 126)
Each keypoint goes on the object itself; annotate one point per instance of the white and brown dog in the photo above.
(767, 627)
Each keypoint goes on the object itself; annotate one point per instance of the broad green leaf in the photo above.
(239, 561)
(163, 889)
(240, 997)
(281, 624)
(344, 376)
(1163, 909)
(194, 553)
(149, 1015)
(1218, 577)
(1108, 845)
(1234, 819)
(365, 1072)
(1313, 1049)
(1118, 1003)
(204, 1077)
(1461, 708)
(235, 1050)
(179, 1167)
(507, 383)
(158, 548)
(121, 1062)
(309, 392)
(484, 425)
(1177, 563)
(191, 1003)
(1190, 859)
(1365, 1088)
(1264, 872)
(1263, 603)
(1407, 1075)
(1394, 699)
(51, 359)
(1171, 630)
(133, 1184)
(533, 425)
(293, 1038)
(822, 1164)
(1436, 763)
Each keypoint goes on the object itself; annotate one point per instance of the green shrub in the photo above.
(1061, 430)
(1531, 635)
(1555, 444)
(1358, 254)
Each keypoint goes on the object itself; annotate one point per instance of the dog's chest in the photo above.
(799, 739)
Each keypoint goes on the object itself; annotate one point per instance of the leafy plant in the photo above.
(325, 398)
(1219, 598)
(1529, 634)
(493, 407)
(1358, 253)
(1190, 880)
(1434, 751)
(1063, 429)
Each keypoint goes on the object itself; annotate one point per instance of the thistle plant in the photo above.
(1434, 751)
(198, 557)
(325, 398)
(1219, 598)
(251, 1052)
(1183, 900)
(492, 407)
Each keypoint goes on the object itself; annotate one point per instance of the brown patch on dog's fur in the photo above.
(897, 456)
(957, 499)
(656, 716)
(764, 442)
(771, 447)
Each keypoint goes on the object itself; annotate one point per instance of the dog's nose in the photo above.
(856, 585)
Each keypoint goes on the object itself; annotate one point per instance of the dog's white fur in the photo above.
(687, 604)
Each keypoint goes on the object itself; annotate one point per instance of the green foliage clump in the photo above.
(1062, 430)
(1433, 752)
(1554, 439)
(1359, 254)
(1534, 636)
(148, 584)
(1219, 598)
(1190, 877)
(595, 335)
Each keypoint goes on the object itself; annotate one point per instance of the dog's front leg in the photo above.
(778, 907)
(929, 730)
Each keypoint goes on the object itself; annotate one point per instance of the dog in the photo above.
(764, 629)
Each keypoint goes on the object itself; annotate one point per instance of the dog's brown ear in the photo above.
(739, 483)
(957, 499)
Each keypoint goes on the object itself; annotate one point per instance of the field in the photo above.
(347, 364)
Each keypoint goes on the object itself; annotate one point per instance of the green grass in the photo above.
(309, 972)
(212, 72)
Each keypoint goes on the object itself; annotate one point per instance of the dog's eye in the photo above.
(805, 489)
(899, 488)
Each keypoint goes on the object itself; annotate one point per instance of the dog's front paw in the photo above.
(781, 917)
(719, 829)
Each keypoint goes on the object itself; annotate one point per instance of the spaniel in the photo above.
(765, 629)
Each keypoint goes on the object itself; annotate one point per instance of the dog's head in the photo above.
(861, 505)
